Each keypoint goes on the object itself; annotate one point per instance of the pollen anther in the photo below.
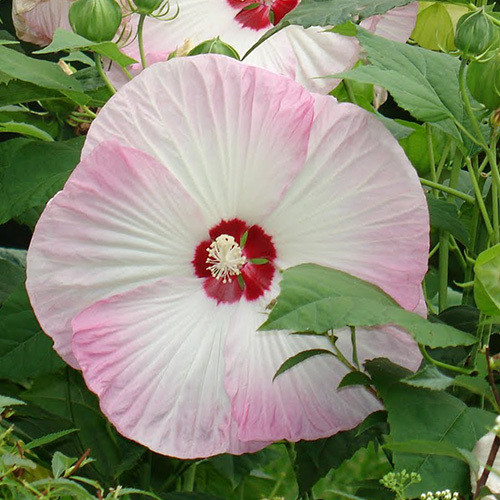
(225, 258)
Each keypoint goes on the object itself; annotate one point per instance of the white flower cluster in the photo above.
(439, 495)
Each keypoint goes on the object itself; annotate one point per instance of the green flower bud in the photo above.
(95, 20)
(147, 6)
(475, 33)
(215, 46)
(483, 80)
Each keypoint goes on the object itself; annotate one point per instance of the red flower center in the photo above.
(261, 14)
(237, 261)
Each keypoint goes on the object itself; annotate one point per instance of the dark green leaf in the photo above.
(334, 12)
(429, 377)
(28, 182)
(49, 438)
(464, 318)
(428, 416)
(65, 40)
(315, 298)
(25, 351)
(315, 458)
(10, 277)
(42, 73)
(25, 129)
(423, 82)
(444, 215)
(354, 378)
(17, 91)
(487, 282)
(298, 358)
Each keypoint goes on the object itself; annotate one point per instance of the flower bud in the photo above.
(483, 80)
(215, 46)
(475, 33)
(147, 6)
(495, 123)
(96, 20)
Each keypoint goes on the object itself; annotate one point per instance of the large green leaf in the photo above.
(314, 459)
(67, 400)
(334, 12)
(65, 40)
(487, 281)
(444, 215)
(10, 277)
(17, 91)
(29, 182)
(425, 415)
(25, 350)
(423, 82)
(42, 73)
(318, 299)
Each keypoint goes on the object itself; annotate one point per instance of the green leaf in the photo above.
(10, 277)
(298, 358)
(10, 460)
(423, 82)
(65, 40)
(62, 486)
(435, 26)
(6, 402)
(25, 351)
(42, 73)
(429, 377)
(318, 299)
(334, 12)
(28, 182)
(487, 281)
(477, 385)
(423, 447)
(314, 459)
(428, 416)
(66, 399)
(354, 378)
(444, 215)
(61, 463)
(17, 91)
(49, 438)
(25, 129)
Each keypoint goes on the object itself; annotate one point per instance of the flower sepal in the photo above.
(215, 46)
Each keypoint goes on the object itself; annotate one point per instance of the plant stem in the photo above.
(439, 364)
(350, 92)
(489, 464)
(479, 197)
(449, 190)
(430, 149)
(444, 253)
(102, 74)
(355, 359)
(140, 40)
(444, 157)
(190, 476)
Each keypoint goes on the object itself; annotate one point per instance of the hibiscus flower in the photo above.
(305, 55)
(155, 265)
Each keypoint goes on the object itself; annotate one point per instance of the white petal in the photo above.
(154, 357)
(219, 126)
(121, 220)
(367, 216)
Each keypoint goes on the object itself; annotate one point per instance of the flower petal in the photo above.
(301, 403)
(121, 220)
(153, 355)
(219, 126)
(36, 20)
(307, 55)
(368, 215)
(396, 24)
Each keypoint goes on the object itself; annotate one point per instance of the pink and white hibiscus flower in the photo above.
(305, 55)
(140, 272)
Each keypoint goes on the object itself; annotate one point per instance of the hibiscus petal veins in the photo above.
(153, 267)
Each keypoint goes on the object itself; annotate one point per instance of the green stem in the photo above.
(479, 197)
(355, 359)
(100, 70)
(140, 40)
(449, 190)
(444, 253)
(466, 101)
(439, 364)
(444, 157)
(455, 248)
(430, 149)
(190, 477)
(350, 92)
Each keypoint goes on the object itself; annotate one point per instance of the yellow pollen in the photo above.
(225, 258)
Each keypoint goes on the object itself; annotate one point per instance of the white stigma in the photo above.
(225, 257)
